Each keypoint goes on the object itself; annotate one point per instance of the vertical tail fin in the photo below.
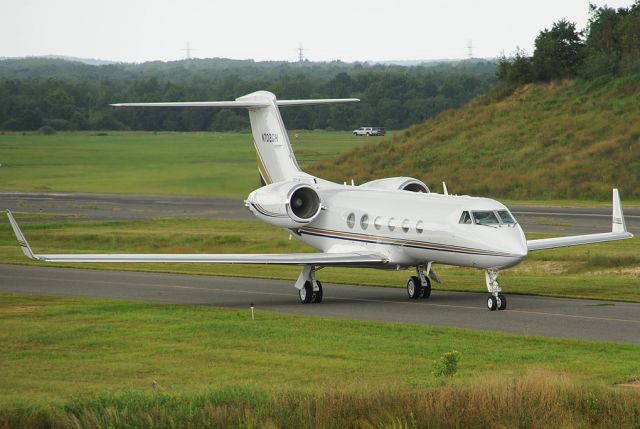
(276, 161)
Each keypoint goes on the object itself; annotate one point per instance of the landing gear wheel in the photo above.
(492, 303)
(306, 293)
(502, 302)
(414, 287)
(426, 289)
(317, 295)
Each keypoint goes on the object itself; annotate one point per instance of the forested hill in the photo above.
(565, 139)
(65, 95)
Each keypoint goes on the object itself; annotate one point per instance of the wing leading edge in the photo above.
(324, 259)
(618, 232)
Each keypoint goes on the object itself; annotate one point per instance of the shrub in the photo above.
(447, 365)
(47, 130)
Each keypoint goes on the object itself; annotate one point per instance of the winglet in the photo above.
(617, 224)
(26, 249)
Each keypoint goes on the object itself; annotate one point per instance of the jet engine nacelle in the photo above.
(285, 204)
(398, 184)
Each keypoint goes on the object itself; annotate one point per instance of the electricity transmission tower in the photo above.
(187, 52)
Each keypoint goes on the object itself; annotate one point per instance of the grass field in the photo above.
(602, 271)
(102, 363)
(211, 164)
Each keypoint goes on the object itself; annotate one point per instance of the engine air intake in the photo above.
(304, 203)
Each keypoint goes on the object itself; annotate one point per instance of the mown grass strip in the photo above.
(103, 363)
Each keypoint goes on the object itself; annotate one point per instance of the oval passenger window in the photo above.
(351, 220)
(392, 224)
(364, 221)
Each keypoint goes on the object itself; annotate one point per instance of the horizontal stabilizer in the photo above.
(249, 104)
(323, 259)
(316, 101)
(231, 104)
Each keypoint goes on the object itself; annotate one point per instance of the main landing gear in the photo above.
(311, 293)
(419, 286)
(496, 300)
(309, 289)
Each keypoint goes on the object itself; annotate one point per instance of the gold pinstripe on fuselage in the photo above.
(345, 235)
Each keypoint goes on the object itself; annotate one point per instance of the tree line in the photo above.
(66, 95)
(608, 46)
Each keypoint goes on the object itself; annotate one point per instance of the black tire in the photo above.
(306, 293)
(502, 302)
(317, 295)
(426, 290)
(492, 303)
(414, 287)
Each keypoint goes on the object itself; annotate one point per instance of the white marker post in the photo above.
(253, 313)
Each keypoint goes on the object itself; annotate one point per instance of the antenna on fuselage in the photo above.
(444, 188)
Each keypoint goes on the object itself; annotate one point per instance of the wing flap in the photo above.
(324, 259)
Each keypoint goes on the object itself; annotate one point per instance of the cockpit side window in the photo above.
(486, 218)
(506, 217)
(465, 218)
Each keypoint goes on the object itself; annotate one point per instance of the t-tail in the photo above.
(276, 160)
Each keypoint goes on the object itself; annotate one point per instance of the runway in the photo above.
(527, 315)
(106, 207)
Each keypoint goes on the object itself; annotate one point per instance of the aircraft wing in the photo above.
(323, 259)
(618, 232)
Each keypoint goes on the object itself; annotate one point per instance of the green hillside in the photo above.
(565, 139)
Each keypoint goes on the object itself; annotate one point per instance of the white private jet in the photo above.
(389, 223)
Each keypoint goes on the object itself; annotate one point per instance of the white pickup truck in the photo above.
(369, 131)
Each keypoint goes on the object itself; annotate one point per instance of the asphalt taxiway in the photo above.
(526, 315)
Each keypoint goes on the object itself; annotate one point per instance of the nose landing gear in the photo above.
(496, 300)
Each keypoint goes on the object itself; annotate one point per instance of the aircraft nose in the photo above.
(518, 243)
(521, 247)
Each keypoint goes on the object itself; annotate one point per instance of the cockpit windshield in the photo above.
(485, 218)
(506, 217)
(465, 218)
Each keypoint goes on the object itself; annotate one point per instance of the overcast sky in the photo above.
(359, 30)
